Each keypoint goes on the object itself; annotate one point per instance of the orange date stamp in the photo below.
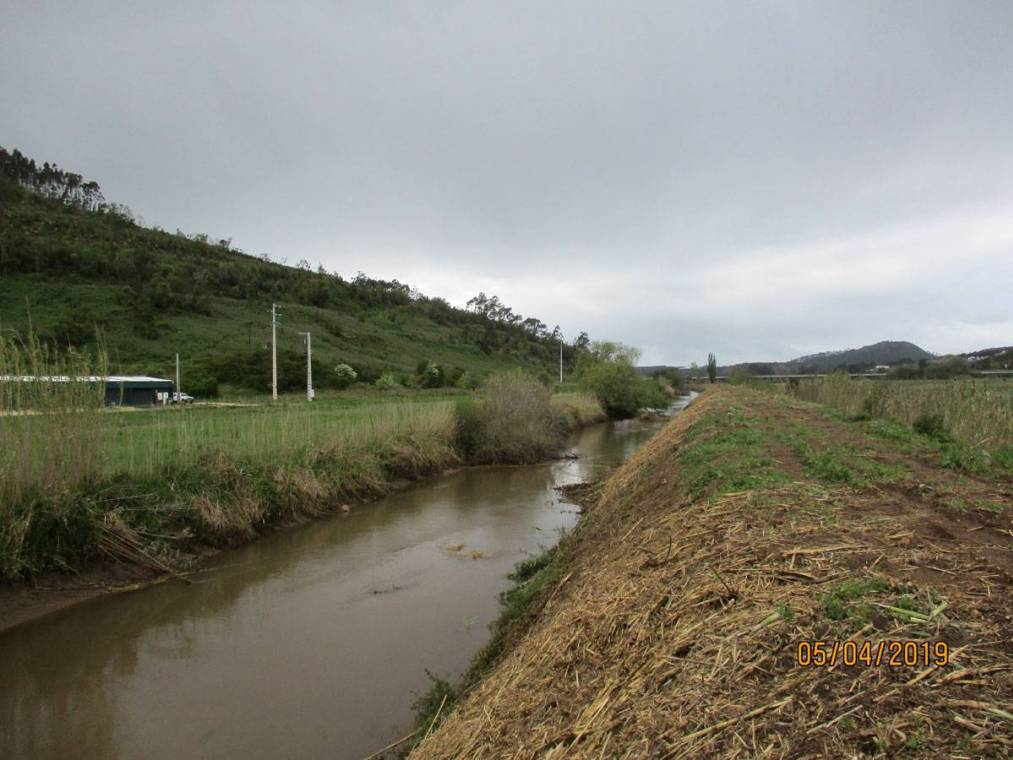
(888, 653)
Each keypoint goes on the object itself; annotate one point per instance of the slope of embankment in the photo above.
(752, 523)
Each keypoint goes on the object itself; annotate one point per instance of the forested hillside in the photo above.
(74, 266)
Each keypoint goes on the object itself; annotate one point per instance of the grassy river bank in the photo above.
(95, 498)
(669, 622)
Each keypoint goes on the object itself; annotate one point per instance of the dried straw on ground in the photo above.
(674, 628)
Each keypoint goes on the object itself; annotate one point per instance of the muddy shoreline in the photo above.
(50, 592)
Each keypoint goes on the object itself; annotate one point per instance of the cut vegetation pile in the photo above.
(754, 522)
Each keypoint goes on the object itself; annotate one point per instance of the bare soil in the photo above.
(45, 594)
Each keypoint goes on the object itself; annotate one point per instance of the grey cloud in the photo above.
(606, 166)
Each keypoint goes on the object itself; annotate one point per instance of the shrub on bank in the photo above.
(429, 375)
(513, 420)
(932, 425)
(607, 370)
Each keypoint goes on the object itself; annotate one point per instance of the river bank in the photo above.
(145, 526)
(669, 622)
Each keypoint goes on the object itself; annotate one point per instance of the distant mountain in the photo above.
(884, 352)
(852, 359)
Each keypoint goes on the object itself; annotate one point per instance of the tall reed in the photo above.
(49, 417)
(152, 443)
(49, 435)
(978, 412)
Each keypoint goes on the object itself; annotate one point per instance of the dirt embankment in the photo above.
(750, 524)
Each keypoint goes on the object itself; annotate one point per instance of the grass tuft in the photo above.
(839, 603)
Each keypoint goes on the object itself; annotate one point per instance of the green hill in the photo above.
(72, 264)
(884, 352)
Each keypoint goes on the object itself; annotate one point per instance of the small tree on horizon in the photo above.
(712, 368)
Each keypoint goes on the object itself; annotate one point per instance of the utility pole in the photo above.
(560, 359)
(309, 365)
(179, 389)
(274, 352)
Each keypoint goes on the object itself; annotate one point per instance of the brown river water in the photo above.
(310, 643)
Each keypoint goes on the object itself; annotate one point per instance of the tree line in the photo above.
(50, 181)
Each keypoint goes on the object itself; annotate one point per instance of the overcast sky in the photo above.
(758, 179)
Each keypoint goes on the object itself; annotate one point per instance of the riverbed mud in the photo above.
(50, 592)
(751, 524)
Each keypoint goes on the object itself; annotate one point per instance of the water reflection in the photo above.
(308, 643)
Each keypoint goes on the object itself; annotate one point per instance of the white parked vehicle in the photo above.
(182, 398)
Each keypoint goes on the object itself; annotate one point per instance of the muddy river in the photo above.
(310, 643)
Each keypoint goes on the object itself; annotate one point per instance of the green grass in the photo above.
(959, 424)
(946, 452)
(843, 463)
(786, 613)
(891, 431)
(726, 454)
(843, 601)
(733, 452)
(433, 705)
(961, 504)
